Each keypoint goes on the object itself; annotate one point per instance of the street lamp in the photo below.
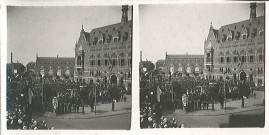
(224, 73)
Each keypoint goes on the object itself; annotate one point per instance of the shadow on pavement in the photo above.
(231, 108)
(101, 111)
(247, 120)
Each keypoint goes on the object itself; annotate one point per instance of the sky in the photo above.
(52, 31)
(182, 28)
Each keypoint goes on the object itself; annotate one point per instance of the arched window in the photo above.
(180, 69)
(188, 70)
(67, 72)
(196, 69)
(79, 61)
(50, 72)
(59, 72)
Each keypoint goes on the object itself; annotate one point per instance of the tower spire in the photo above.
(211, 26)
(124, 17)
(252, 11)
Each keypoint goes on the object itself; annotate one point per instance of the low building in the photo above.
(55, 67)
(184, 65)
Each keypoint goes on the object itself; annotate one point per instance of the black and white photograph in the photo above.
(69, 67)
(202, 65)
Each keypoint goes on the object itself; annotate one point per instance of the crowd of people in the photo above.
(151, 117)
(20, 91)
(27, 95)
(189, 94)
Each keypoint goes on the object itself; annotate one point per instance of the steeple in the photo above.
(252, 11)
(211, 26)
(82, 30)
(124, 17)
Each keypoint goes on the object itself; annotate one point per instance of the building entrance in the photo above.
(243, 76)
(113, 79)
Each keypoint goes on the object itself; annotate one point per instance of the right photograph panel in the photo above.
(202, 65)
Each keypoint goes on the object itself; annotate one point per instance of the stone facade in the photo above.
(236, 50)
(62, 67)
(105, 53)
(184, 65)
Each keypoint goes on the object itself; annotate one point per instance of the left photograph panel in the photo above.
(69, 67)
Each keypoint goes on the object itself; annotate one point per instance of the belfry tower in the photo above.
(124, 17)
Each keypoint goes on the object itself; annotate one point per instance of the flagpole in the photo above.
(95, 101)
(224, 93)
(42, 84)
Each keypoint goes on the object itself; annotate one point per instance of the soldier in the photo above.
(77, 104)
(55, 104)
(243, 103)
(91, 100)
(113, 105)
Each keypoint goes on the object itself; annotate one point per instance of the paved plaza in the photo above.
(104, 118)
(218, 117)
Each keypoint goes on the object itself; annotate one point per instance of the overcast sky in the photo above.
(183, 28)
(52, 31)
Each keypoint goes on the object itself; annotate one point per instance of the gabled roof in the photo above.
(239, 26)
(58, 59)
(185, 56)
(109, 30)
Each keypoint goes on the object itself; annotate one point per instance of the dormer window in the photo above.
(261, 32)
(237, 36)
(115, 39)
(230, 36)
(253, 33)
(95, 40)
(107, 39)
(116, 36)
(245, 33)
(100, 38)
(224, 37)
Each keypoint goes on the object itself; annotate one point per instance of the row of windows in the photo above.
(58, 73)
(113, 62)
(109, 39)
(260, 70)
(56, 63)
(236, 59)
(237, 35)
(224, 70)
(187, 60)
(98, 73)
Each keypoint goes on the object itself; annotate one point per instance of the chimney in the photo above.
(140, 56)
(11, 58)
(124, 17)
(252, 11)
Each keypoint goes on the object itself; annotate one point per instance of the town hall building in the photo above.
(236, 51)
(105, 54)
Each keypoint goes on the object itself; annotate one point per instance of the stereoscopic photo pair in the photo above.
(71, 67)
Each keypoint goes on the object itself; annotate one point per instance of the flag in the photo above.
(30, 95)
(110, 63)
(239, 60)
(159, 92)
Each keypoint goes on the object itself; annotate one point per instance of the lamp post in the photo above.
(224, 91)
(95, 100)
